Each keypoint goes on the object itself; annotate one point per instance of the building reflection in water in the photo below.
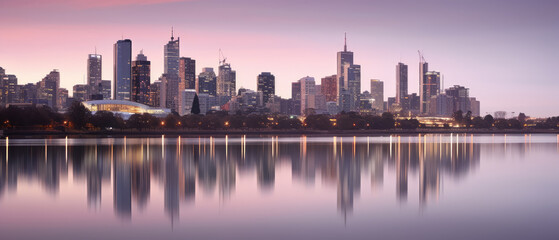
(182, 165)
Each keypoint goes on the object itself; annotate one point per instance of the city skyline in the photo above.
(451, 48)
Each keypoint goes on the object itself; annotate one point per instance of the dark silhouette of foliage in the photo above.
(78, 115)
(195, 105)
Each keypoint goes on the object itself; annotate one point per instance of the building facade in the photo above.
(206, 82)
(141, 79)
(122, 69)
(377, 94)
(226, 81)
(266, 83)
(94, 74)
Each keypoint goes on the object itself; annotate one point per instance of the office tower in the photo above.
(206, 82)
(62, 101)
(319, 100)
(106, 89)
(80, 92)
(48, 89)
(226, 81)
(155, 94)
(307, 94)
(344, 57)
(171, 55)
(430, 87)
(296, 97)
(424, 99)
(187, 98)
(122, 69)
(461, 97)
(8, 87)
(187, 73)
(377, 93)
(266, 83)
(352, 78)
(169, 92)
(94, 65)
(29, 93)
(401, 82)
(475, 106)
(141, 78)
(441, 105)
(329, 88)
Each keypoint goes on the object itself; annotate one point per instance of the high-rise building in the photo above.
(80, 92)
(344, 57)
(266, 83)
(475, 106)
(401, 82)
(8, 86)
(106, 89)
(187, 98)
(141, 78)
(461, 97)
(187, 73)
(377, 93)
(424, 99)
(206, 82)
(352, 77)
(169, 92)
(226, 81)
(29, 93)
(296, 97)
(429, 87)
(441, 105)
(155, 94)
(329, 88)
(122, 69)
(62, 101)
(48, 89)
(171, 55)
(94, 77)
(307, 94)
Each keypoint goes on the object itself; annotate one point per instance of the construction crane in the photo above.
(421, 58)
(222, 58)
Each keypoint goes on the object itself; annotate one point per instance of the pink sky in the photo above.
(505, 53)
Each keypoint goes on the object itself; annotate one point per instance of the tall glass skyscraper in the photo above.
(207, 82)
(187, 73)
(266, 83)
(171, 55)
(423, 98)
(122, 69)
(401, 82)
(94, 77)
(344, 57)
(226, 81)
(141, 78)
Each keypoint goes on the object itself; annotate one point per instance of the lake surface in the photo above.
(241, 187)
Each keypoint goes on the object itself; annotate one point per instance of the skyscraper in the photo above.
(141, 72)
(170, 91)
(424, 99)
(187, 73)
(48, 88)
(344, 57)
(377, 93)
(429, 87)
(352, 78)
(307, 94)
(461, 97)
(267, 85)
(122, 69)
(329, 88)
(401, 82)
(206, 82)
(171, 55)
(226, 81)
(94, 65)
(296, 98)
(106, 89)
(8, 87)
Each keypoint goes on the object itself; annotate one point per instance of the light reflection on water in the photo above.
(139, 175)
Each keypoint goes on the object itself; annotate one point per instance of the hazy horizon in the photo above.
(503, 51)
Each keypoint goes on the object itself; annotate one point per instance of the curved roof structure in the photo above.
(124, 108)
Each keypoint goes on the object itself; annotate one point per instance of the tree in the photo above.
(522, 117)
(320, 122)
(468, 119)
(489, 120)
(79, 115)
(195, 105)
(104, 120)
(458, 116)
(387, 121)
(409, 124)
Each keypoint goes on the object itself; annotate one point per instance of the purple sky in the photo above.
(506, 52)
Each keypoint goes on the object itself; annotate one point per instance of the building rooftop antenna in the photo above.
(345, 42)
(172, 33)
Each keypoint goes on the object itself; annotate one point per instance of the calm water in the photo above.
(389, 187)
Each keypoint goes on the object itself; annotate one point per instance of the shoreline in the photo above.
(151, 133)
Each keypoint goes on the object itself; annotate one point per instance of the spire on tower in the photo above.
(172, 37)
(345, 42)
